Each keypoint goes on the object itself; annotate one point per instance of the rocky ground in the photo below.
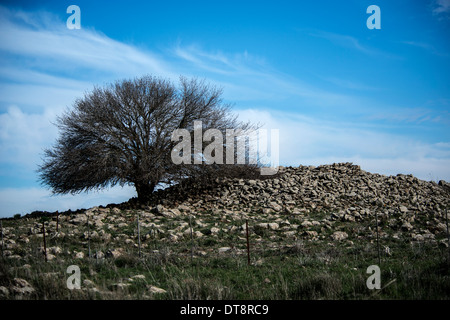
(338, 203)
(343, 190)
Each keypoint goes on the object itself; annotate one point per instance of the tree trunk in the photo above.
(144, 190)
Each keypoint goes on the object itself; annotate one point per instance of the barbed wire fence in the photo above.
(246, 240)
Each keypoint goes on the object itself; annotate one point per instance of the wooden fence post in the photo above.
(45, 244)
(1, 230)
(89, 237)
(139, 235)
(192, 239)
(378, 241)
(448, 236)
(248, 243)
(57, 221)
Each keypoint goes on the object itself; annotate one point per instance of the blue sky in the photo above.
(336, 90)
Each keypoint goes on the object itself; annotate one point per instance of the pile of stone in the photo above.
(341, 188)
(299, 202)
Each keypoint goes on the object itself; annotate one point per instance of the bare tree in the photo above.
(121, 134)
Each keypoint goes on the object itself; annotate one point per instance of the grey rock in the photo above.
(339, 236)
(271, 225)
(403, 209)
(115, 253)
(4, 292)
(153, 289)
(406, 226)
(21, 288)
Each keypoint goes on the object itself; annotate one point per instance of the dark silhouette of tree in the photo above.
(122, 134)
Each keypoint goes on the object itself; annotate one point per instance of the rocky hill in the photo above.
(342, 190)
(336, 187)
(338, 203)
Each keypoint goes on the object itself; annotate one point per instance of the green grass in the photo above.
(281, 268)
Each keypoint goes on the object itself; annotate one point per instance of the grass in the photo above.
(281, 268)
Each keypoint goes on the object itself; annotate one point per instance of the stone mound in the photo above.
(341, 188)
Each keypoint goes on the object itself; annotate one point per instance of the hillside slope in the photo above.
(330, 221)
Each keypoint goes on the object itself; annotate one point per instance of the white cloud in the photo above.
(309, 141)
(26, 200)
(246, 77)
(425, 46)
(350, 42)
(441, 6)
(61, 48)
(22, 137)
(221, 63)
(348, 84)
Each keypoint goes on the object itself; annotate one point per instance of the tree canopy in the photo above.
(122, 133)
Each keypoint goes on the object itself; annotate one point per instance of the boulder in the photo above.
(153, 289)
(224, 249)
(115, 253)
(4, 292)
(271, 225)
(79, 219)
(339, 236)
(406, 226)
(21, 288)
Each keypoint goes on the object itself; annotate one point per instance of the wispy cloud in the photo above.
(219, 62)
(23, 135)
(58, 49)
(305, 140)
(248, 77)
(425, 46)
(51, 55)
(350, 42)
(26, 200)
(408, 115)
(349, 84)
(441, 7)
